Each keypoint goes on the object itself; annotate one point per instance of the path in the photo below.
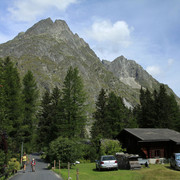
(41, 173)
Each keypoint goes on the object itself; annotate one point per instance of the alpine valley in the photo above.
(49, 48)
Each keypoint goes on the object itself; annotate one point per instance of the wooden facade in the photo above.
(150, 145)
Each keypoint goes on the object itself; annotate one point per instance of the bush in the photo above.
(64, 149)
(13, 165)
(2, 161)
(110, 147)
(89, 152)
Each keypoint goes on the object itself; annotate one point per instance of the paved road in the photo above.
(41, 173)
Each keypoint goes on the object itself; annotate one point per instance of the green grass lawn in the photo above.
(88, 172)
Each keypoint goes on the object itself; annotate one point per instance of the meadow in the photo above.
(154, 172)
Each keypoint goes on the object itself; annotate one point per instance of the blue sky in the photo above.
(147, 31)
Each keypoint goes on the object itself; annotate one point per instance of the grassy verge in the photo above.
(88, 172)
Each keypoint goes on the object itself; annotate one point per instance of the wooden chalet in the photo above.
(150, 142)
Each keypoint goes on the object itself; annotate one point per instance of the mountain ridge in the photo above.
(48, 49)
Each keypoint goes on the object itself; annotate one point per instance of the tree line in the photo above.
(157, 110)
(18, 106)
(59, 118)
(24, 117)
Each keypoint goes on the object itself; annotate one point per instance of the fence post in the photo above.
(59, 167)
(54, 164)
(77, 175)
(68, 170)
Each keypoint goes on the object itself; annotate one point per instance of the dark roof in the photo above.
(155, 134)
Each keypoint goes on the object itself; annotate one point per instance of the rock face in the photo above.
(48, 49)
(131, 73)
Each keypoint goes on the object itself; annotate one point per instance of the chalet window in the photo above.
(156, 153)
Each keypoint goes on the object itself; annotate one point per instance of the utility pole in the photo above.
(21, 152)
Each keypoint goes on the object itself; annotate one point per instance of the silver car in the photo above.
(175, 161)
(107, 162)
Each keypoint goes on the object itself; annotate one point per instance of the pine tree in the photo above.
(44, 125)
(73, 100)
(174, 113)
(167, 110)
(2, 98)
(116, 116)
(157, 110)
(146, 116)
(30, 98)
(13, 102)
(56, 114)
(99, 115)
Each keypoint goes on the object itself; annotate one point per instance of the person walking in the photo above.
(24, 162)
(33, 163)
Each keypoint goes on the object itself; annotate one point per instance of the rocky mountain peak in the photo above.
(47, 26)
(130, 73)
(47, 38)
(42, 26)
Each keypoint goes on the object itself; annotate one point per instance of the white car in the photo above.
(107, 162)
(175, 161)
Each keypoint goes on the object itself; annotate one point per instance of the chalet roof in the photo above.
(154, 134)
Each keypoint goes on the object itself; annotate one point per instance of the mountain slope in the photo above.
(133, 75)
(48, 49)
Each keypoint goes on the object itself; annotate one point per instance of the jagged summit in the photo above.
(42, 26)
(131, 73)
(47, 26)
(47, 39)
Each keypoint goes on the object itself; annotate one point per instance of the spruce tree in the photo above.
(99, 115)
(157, 110)
(174, 113)
(146, 114)
(116, 116)
(2, 98)
(56, 114)
(73, 99)
(162, 108)
(13, 111)
(167, 110)
(30, 98)
(44, 125)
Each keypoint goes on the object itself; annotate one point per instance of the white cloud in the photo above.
(109, 39)
(153, 70)
(105, 31)
(28, 10)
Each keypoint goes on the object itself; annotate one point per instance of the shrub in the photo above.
(13, 165)
(2, 161)
(64, 149)
(109, 146)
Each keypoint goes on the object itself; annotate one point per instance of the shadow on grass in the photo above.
(104, 170)
(170, 168)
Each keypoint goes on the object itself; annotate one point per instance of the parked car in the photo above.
(107, 162)
(175, 161)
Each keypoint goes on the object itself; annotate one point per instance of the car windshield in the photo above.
(107, 158)
(178, 157)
